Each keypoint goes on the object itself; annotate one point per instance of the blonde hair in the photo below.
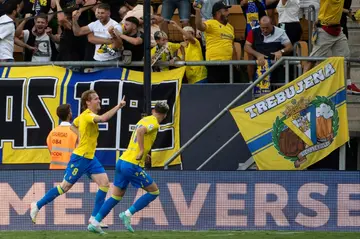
(189, 29)
(160, 34)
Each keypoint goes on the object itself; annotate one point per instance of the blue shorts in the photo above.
(169, 6)
(78, 166)
(126, 173)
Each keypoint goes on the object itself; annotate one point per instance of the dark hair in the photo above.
(41, 15)
(63, 111)
(10, 5)
(104, 6)
(85, 96)
(133, 20)
(132, 3)
(161, 107)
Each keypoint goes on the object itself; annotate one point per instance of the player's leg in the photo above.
(97, 172)
(120, 185)
(140, 179)
(73, 172)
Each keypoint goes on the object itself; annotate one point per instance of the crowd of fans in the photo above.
(111, 30)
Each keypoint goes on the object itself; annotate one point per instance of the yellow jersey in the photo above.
(193, 52)
(168, 54)
(151, 124)
(88, 133)
(330, 12)
(219, 40)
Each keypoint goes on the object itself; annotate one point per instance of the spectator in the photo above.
(253, 12)
(328, 33)
(219, 41)
(39, 43)
(270, 9)
(137, 10)
(163, 51)
(168, 9)
(206, 9)
(7, 30)
(71, 47)
(289, 19)
(304, 8)
(130, 38)
(268, 42)
(346, 12)
(193, 52)
(101, 37)
(123, 11)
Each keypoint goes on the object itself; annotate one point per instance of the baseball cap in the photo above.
(218, 6)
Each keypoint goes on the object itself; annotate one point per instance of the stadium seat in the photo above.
(302, 50)
(237, 20)
(18, 53)
(305, 28)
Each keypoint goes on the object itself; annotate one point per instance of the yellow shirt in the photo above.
(193, 52)
(219, 40)
(168, 54)
(330, 11)
(89, 132)
(151, 124)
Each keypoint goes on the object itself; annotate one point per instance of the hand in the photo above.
(27, 16)
(148, 159)
(260, 60)
(111, 30)
(278, 55)
(117, 33)
(122, 102)
(172, 61)
(198, 33)
(75, 15)
(195, 6)
(140, 155)
(183, 44)
(33, 49)
(48, 31)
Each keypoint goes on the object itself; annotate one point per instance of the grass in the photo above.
(177, 235)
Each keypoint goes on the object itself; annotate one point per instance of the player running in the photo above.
(129, 169)
(83, 159)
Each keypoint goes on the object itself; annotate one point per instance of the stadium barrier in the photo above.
(250, 200)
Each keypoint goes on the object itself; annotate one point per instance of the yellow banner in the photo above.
(300, 123)
(29, 97)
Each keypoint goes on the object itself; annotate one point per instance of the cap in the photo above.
(218, 6)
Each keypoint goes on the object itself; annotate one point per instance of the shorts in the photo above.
(126, 173)
(169, 6)
(79, 165)
(327, 44)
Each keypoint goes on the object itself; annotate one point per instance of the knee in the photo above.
(64, 187)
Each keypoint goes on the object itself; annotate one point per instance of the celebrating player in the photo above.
(129, 169)
(83, 160)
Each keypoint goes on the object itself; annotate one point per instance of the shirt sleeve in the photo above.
(250, 37)
(6, 30)
(208, 26)
(91, 26)
(26, 35)
(284, 39)
(148, 125)
(76, 122)
(89, 118)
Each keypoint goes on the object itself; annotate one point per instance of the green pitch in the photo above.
(178, 235)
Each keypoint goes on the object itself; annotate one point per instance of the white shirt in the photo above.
(65, 123)
(42, 43)
(101, 30)
(7, 35)
(288, 12)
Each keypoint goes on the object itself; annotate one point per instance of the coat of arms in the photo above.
(306, 127)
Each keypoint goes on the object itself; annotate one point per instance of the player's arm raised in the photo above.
(107, 116)
(140, 133)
